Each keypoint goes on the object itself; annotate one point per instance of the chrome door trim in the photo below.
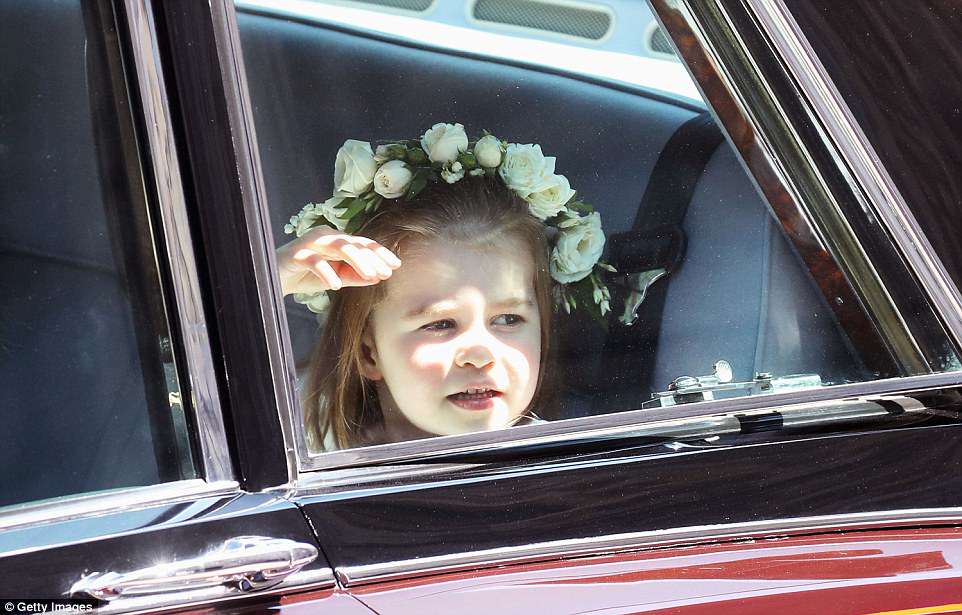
(89, 504)
(867, 170)
(609, 425)
(283, 375)
(244, 565)
(351, 576)
(304, 580)
(191, 323)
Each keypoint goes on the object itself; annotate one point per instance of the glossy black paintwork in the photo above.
(901, 462)
(54, 556)
(897, 67)
(210, 150)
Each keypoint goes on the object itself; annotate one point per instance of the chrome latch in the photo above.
(690, 389)
(245, 563)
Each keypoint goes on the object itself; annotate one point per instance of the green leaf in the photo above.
(354, 207)
(581, 207)
(416, 156)
(468, 161)
(418, 182)
(354, 224)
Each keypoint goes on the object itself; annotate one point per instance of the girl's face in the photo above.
(455, 346)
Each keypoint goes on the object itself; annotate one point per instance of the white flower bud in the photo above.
(312, 212)
(452, 176)
(315, 302)
(331, 209)
(443, 142)
(488, 151)
(392, 179)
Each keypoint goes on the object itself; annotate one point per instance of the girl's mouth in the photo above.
(475, 399)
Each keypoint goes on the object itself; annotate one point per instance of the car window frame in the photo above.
(151, 116)
(866, 166)
(770, 163)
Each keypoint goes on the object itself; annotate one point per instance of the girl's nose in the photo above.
(476, 355)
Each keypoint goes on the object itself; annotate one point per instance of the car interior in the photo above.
(739, 292)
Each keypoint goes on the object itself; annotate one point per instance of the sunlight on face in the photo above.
(456, 343)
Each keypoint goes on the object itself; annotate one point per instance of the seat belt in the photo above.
(653, 249)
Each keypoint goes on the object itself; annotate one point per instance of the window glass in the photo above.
(898, 78)
(467, 323)
(90, 392)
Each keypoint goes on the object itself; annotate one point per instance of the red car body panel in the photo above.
(894, 572)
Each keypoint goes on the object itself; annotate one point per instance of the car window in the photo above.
(91, 394)
(645, 270)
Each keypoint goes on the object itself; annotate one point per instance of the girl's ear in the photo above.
(370, 361)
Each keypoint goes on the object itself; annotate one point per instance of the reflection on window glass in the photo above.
(91, 399)
(479, 242)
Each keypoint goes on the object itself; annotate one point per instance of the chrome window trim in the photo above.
(864, 164)
(303, 580)
(353, 461)
(191, 324)
(275, 326)
(68, 508)
(351, 576)
(799, 177)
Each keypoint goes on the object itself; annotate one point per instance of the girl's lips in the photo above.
(474, 401)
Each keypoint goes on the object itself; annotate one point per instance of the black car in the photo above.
(783, 227)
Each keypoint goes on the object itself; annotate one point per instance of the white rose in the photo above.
(487, 151)
(443, 142)
(392, 179)
(524, 168)
(550, 201)
(331, 209)
(354, 168)
(579, 246)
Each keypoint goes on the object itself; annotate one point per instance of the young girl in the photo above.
(455, 339)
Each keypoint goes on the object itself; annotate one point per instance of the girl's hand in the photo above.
(327, 259)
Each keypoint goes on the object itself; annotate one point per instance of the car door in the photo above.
(135, 476)
(865, 438)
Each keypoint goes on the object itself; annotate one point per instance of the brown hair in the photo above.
(338, 401)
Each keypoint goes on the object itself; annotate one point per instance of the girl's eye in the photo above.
(508, 320)
(439, 325)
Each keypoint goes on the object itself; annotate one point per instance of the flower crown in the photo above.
(364, 177)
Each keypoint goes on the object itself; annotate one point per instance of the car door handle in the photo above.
(246, 563)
